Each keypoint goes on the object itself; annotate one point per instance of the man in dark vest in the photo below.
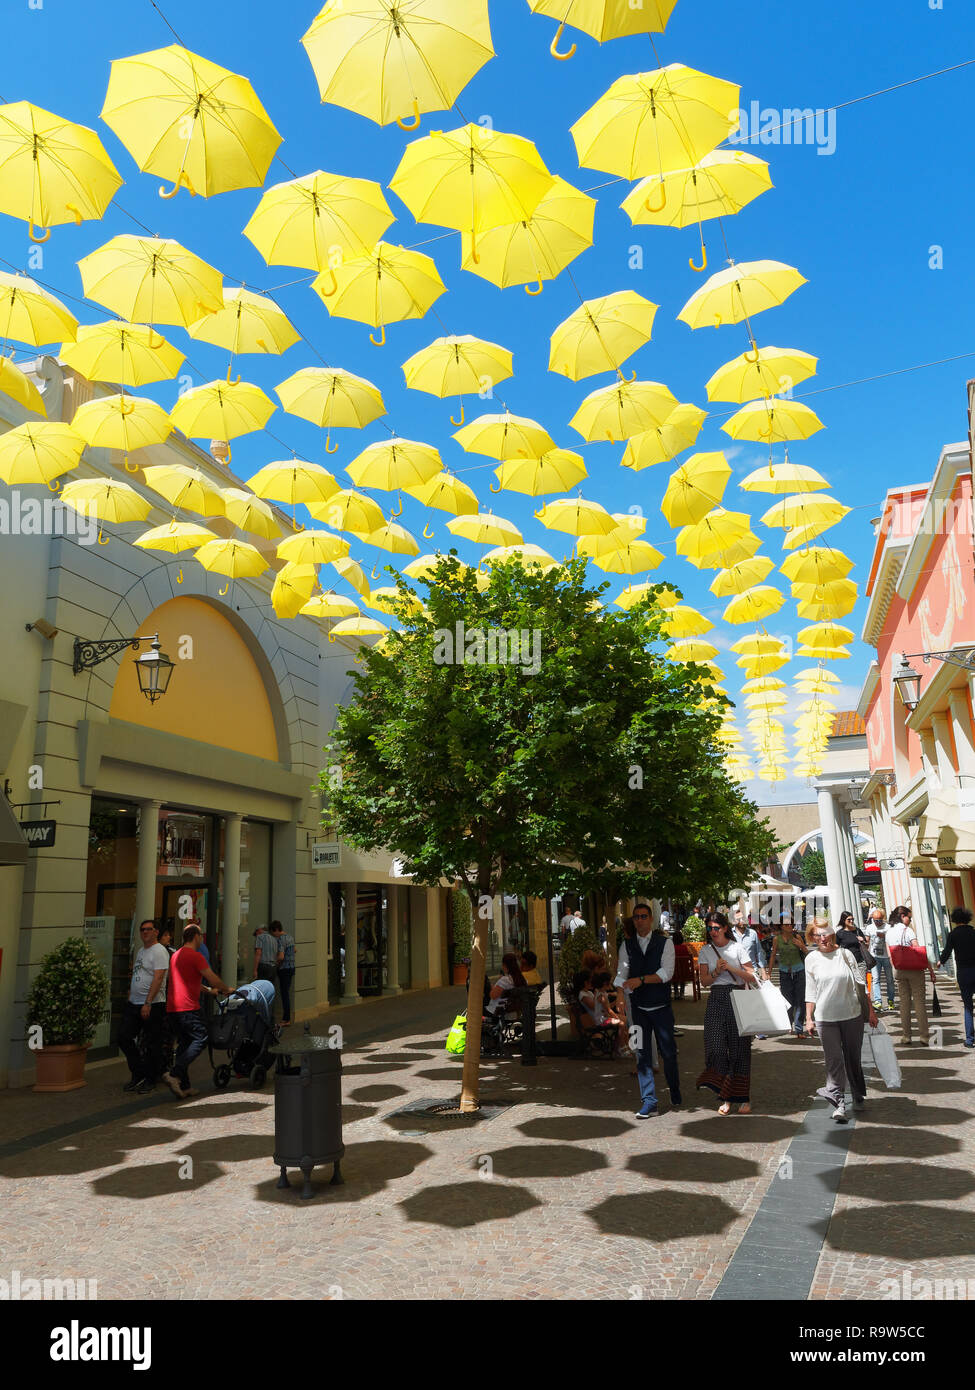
(646, 967)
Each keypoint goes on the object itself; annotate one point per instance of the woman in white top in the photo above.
(725, 965)
(835, 998)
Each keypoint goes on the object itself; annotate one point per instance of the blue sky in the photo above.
(859, 223)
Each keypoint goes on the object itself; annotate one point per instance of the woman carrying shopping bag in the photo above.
(837, 1006)
(725, 966)
(789, 954)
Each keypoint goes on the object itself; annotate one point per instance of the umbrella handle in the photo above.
(532, 290)
(415, 123)
(553, 47)
(102, 540)
(538, 515)
(54, 484)
(126, 407)
(154, 347)
(38, 240)
(329, 447)
(398, 511)
(130, 467)
(184, 178)
(431, 535)
(229, 455)
(704, 261)
(381, 340)
(75, 213)
(335, 284)
(648, 205)
(330, 636)
(225, 589)
(492, 488)
(462, 416)
(474, 255)
(230, 382)
(748, 356)
(179, 577)
(374, 575)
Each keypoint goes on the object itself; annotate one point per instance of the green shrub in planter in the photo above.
(68, 995)
(693, 928)
(570, 957)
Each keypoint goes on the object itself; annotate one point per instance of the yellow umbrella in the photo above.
(130, 353)
(805, 510)
(185, 488)
(818, 565)
(392, 537)
(19, 387)
(690, 651)
(633, 557)
(757, 644)
(604, 19)
(629, 525)
(836, 593)
(457, 366)
(122, 422)
(651, 121)
(486, 529)
(176, 536)
(311, 220)
(683, 621)
(743, 548)
(773, 372)
(767, 700)
(472, 179)
(818, 674)
(773, 421)
(636, 593)
(601, 334)
(189, 120)
(51, 170)
(447, 493)
(530, 555)
(555, 471)
(798, 537)
(762, 665)
(577, 517)
(742, 576)
(330, 605)
(358, 627)
(222, 410)
(385, 285)
(423, 566)
(505, 437)
(825, 635)
(388, 599)
(39, 452)
(735, 294)
(31, 314)
(331, 398)
(246, 322)
(151, 280)
(312, 548)
(622, 409)
(235, 559)
(292, 587)
(695, 488)
(388, 61)
(294, 481)
(351, 571)
(783, 477)
(395, 463)
(536, 248)
(763, 683)
(105, 499)
(347, 510)
(662, 445)
(248, 512)
(754, 604)
(713, 534)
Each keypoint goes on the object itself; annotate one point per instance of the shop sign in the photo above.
(326, 855)
(100, 935)
(891, 863)
(39, 834)
(966, 804)
(927, 846)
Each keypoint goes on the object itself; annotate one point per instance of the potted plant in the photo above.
(693, 933)
(463, 935)
(66, 1002)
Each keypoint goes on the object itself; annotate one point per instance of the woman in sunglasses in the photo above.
(725, 965)
(836, 996)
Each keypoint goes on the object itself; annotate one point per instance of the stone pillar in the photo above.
(145, 889)
(350, 899)
(961, 716)
(944, 751)
(393, 898)
(231, 900)
(929, 760)
(831, 853)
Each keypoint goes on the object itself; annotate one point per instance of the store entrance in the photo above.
(179, 903)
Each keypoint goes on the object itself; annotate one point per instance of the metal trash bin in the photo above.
(307, 1108)
(526, 1000)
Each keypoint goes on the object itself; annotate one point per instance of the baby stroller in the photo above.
(243, 1027)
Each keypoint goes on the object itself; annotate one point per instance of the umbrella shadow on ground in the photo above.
(903, 1182)
(351, 1113)
(660, 1217)
(872, 1141)
(367, 1169)
(79, 1155)
(373, 1068)
(547, 1161)
(142, 1180)
(377, 1093)
(927, 1081)
(205, 1111)
(574, 1127)
(682, 1165)
(464, 1204)
(903, 1111)
(908, 1231)
(741, 1129)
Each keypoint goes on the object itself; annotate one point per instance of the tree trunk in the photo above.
(469, 1094)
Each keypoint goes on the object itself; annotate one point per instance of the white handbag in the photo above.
(761, 1010)
(878, 1051)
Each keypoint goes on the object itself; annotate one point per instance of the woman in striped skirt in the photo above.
(724, 966)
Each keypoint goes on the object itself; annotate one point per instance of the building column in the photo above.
(145, 889)
(944, 751)
(229, 963)
(350, 900)
(844, 839)
(392, 940)
(929, 760)
(831, 852)
(962, 728)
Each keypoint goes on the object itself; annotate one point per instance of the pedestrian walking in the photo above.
(876, 930)
(910, 960)
(646, 967)
(187, 971)
(286, 968)
(789, 954)
(145, 1013)
(725, 965)
(961, 945)
(267, 955)
(837, 1007)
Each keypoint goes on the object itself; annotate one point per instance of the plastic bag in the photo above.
(457, 1037)
(878, 1051)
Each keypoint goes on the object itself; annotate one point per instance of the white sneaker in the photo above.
(839, 1115)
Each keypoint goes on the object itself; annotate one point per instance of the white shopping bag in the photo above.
(878, 1051)
(762, 1010)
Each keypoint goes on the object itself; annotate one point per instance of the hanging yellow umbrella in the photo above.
(622, 409)
(331, 399)
(472, 179)
(457, 366)
(695, 488)
(743, 548)
(811, 509)
(577, 517)
(690, 651)
(447, 493)
(530, 556)
(106, 500)
(31, 314)
(392, 537)
(352, 572)
(39, 452)
(232, 558)
(767, 700)
(783, 477)
(662, 445)
(505, 437)
(130, 353)
(294, 481)
(763, 683)
(395, 463)
(800, 536)
(757, 644)
(358, 627)
(248, 512)
(293, 586)
(222, 410)
(189, 120)
(713, 534)
(555, 471)
(330, 605)
(388, 599)
(762, 665)
(246, 322)
(742, 576)
(122, 422)
(818, 565)
(736, 294)
(604, 19)
(755, 604)
(312, 548)
(486, 529)
(632, 557)
(151, 280)
(651, 121)
(311, 220)
(51, 170)
(636, 593)
(773, 422)
(683, 621)
(825, 635)
(601, 334)
(773, 372)
(385, 285)
(19, 387)
(388, 62)
(185, 488)
(423, 567)
(175, 537)
(834, 593)
(537, 248)
(347, 510)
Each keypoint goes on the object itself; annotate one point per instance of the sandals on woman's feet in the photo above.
(725, 1109)
(745, 1109)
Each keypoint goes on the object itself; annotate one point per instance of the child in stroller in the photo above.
(244, 1028)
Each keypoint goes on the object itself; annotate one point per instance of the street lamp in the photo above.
(907, 683)
(153, 667)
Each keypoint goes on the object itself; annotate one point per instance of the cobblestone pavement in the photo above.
(560, 1192)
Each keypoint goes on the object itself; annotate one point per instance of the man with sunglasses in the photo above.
(646, 967)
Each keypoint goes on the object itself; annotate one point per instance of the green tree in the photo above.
(526, 776)
(812, 868)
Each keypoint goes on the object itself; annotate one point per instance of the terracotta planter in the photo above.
(61, 1067)
(460, 975)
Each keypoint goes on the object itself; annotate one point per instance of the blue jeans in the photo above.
(285, 978)
(191, 1039)
(966, 985)
(883, 964)
(658, 1023)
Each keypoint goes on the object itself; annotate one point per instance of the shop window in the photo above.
(113, 855)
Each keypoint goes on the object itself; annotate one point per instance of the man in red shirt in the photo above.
(187, 971)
